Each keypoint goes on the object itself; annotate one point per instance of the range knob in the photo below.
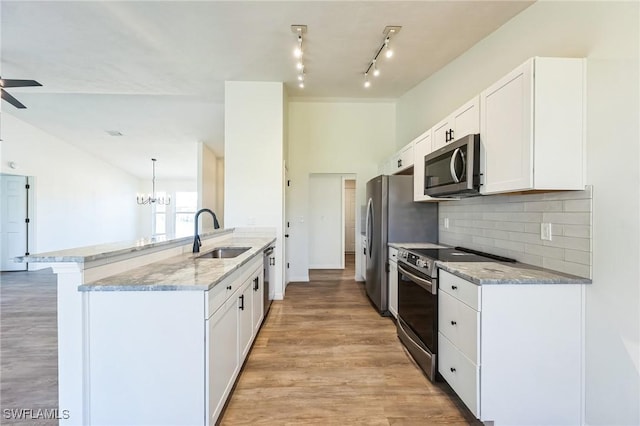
(421, 263)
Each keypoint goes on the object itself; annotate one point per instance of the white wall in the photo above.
(208, 184)
(325, 221)
(254, 155)
(607, 34)
(79, 199)
(332, 137)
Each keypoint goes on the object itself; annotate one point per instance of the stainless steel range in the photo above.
(418, 298)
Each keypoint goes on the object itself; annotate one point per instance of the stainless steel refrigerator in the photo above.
(393, 217)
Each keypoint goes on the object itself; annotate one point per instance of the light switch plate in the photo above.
(446, 223)
(545, 231)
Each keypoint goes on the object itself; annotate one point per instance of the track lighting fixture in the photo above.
(298, 52)
(389, 32)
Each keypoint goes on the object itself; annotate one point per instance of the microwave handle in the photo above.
(452, 165)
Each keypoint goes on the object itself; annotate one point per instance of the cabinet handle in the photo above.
(454, 287)
(242, 302)
(446, 136)
(272, 261)
(228, 287)
(453, 323)
(400, 163)
(450, 134)
(453, 370)
(256, 284)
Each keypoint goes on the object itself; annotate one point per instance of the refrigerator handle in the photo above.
(369, 226)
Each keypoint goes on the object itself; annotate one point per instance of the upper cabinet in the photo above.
(421, 147)
(532, 128)
(464, 121)
(404, 158)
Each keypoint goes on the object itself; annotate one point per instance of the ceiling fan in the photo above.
(6, 83)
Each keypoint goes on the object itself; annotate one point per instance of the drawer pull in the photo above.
(453, 370)
(453, 323)
(454, 287)
(228, 287)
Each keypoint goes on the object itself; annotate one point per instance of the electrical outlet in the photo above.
(546, 231)
(446, 223)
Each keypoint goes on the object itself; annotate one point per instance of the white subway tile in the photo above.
(510, 245)
(567, 267)
(514, 217)
(573, 243)
(575, 256)
(545, 251)
(583, 231)
(567, 218)
(509, 207)
(531, 259)
(509, 226)
(483, 240)
(526, 238)
(543, 206)
(496, 233)
(577, 205)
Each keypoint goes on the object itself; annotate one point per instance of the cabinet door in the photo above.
(506, 117)
(393, 288)
(466, 119)
(257, 284)
(421, 147)
(222, 356)
(440, 134)
(245, 326)
(406, 157)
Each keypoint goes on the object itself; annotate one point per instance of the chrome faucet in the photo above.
(196, 238)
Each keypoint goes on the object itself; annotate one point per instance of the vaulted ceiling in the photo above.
(155, 70)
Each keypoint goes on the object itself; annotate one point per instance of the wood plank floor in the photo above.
(28, 344)
(324, 356)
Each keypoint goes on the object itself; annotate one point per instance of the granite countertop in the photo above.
(183, 272)
(483, 273)
(105, 251)
(417, 245)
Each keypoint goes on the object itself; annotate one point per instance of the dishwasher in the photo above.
(268, 291)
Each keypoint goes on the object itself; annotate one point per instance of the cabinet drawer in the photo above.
(460, 324)
(462, 375)
(461, 289)
(393, 253)
(219, 294)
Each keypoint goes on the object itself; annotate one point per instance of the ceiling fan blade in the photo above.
(18, 83)
(13, 101)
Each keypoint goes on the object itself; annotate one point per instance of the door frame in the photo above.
(31, 214)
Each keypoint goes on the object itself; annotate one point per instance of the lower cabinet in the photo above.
(513, 352)
(393, 281)
(223, 360)
(257, 304)
(230, 331)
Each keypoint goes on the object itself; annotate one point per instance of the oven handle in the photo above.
(427, 285)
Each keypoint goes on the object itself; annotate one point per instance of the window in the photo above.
(186, 205)
(160, 216)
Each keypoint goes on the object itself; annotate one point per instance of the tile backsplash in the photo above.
(510, 225)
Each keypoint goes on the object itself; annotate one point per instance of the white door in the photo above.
(13, 223)
(350, 216)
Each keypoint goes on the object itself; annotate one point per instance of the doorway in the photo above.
(332, 219)
(14, 226)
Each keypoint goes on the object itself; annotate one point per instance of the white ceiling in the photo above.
(155, 71)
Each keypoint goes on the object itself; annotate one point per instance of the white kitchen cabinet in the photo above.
(404, 159)
(393, 281)
(532, 126)
(245, 323)
(257, 283)
(223, 355)
(513, 352)
(463, 121)
(421, 147)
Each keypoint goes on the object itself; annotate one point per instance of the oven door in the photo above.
(418, 316)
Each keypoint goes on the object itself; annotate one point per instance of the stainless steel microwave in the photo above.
(453, 171)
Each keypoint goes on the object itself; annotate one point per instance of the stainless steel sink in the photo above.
(223, 253)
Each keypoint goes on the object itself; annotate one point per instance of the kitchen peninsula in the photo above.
(142, 325)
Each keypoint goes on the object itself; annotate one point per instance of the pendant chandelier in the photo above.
(151, 198)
